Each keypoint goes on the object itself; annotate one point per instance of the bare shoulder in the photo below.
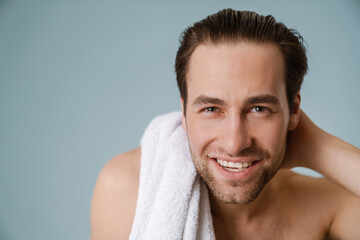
(315, 189)
(314, 186)
(339, 209)
(115, 195)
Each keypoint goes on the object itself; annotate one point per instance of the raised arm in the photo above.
(311, 147)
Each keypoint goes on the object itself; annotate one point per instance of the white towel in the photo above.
(173, 201)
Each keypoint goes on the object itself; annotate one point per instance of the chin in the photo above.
(236, 196)
(238, 193)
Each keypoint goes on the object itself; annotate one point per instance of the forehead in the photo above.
(241, 68)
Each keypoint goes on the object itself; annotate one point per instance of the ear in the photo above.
(183, 120)
(295, 115)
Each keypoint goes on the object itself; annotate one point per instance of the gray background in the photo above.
(80, 80)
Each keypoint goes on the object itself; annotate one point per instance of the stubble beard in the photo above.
(236, 192)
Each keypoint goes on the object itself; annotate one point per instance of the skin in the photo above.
(290, 206)
(114, 198)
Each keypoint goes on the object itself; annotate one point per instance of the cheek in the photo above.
(200, 136)
(272, 135)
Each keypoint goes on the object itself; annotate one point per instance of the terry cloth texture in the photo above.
(173, 201)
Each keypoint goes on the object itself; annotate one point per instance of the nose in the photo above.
(235, 136)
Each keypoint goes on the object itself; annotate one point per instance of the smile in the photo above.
(233, 166)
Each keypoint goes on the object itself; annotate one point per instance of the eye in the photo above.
(259, 109)
(211, 109)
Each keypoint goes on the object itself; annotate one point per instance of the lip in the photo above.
(244, 175)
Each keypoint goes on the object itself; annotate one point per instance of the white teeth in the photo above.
(238, 165)
(234, 169)
(233, 166)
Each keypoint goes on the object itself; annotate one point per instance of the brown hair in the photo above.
(229, 25)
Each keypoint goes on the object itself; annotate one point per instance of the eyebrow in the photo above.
(204, 100)
(263, 99)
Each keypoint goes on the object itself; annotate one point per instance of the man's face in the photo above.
(237, 117)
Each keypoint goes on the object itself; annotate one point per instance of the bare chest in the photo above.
(300, 224)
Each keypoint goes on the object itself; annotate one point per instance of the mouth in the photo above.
(235, 166)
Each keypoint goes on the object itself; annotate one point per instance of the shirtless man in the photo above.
(241, 103)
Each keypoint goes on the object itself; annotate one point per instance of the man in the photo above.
(239, 76)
